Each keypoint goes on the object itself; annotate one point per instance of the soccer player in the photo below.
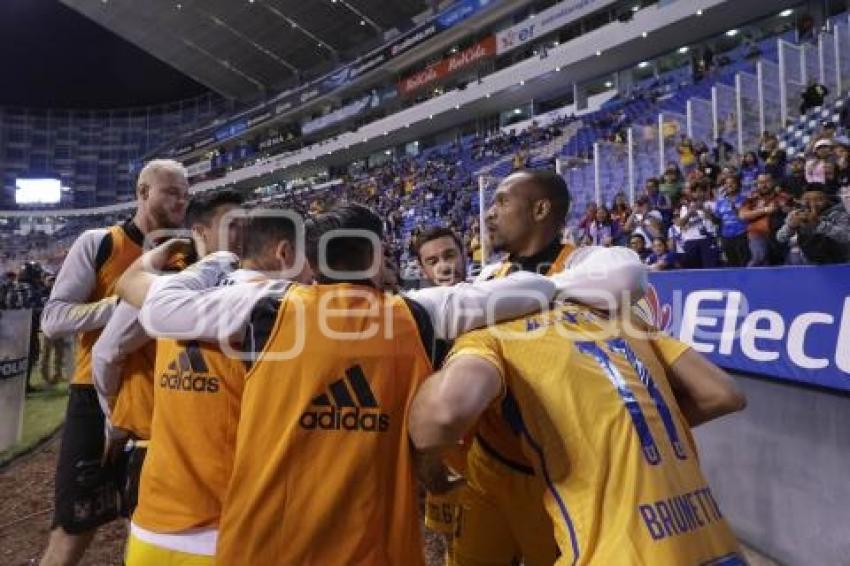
(440, 254)
(502, 520)
(81, 303)
(197, 394)
(125, 383)
(602, 429)
(441, 257)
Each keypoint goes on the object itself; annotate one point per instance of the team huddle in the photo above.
(251, 388)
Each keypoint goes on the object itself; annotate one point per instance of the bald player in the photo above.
(81, 303)
(502, 520)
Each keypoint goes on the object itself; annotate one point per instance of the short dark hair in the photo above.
(266, 231)
(202, 206)
(553, 187)
(436, 233)
(343, 253)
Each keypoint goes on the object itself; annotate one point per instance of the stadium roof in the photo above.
(244, 49)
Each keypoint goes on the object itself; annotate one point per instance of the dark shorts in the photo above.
(89, 494)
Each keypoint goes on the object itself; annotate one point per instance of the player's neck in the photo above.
(536, 244)
(144, 223)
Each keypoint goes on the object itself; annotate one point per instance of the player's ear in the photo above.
(143, 190)
(285, 254)
(541, 209)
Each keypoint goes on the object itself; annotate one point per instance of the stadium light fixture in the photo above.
(732, 33)
(609, 84)
(487, 95)
(457, 106)
(635, 8)
(521, 83)
(599, 54)
(362, 22)
(786, 13)
(644, 34)
(179, 6)
(643, 65)
(556, 43)
(684, 49)
(388, 152)
(558, 69)
(699, 12)
(430, 116)
(517, 111)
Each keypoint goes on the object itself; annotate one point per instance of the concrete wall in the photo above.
(781, 471)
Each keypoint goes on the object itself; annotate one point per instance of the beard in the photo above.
(162, 219)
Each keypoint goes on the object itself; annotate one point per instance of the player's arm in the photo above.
(703, 390)
(188, 305)
(68, 311)
(134, 283)
(602, 278)
(449, 402)
(121, 336)
(464, 307)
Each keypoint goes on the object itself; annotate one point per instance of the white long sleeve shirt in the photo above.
(188, 306)
(67, 311)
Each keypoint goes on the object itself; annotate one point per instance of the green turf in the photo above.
(43, 413)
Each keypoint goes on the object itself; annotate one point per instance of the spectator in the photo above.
(657, 200)
(768, 143)
(813, 96)
(604, 230)
(795, 182)
(750, 169)
(723, 152)
(687, 155)
(637, 243)
(671, 184)
(775, 164)
(708, 167)
(697, 229)
(757, 212)
(733, 230)
(661, 259)
(830, 178)
(620, 211)
(818, 232)
(842, 160)
(815, 167)
(588, 218)
(638, 215)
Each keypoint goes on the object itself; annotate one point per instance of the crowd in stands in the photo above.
(713, 209)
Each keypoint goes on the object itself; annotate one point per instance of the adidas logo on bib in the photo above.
(337, 409)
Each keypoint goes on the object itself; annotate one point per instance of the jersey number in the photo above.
(619, 347)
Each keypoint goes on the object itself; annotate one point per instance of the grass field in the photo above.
(43, 413)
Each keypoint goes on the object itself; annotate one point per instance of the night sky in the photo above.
(54, 57)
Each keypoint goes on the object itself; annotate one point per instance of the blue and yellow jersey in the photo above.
(600, 425)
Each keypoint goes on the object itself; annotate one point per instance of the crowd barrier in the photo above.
(787, 323)
(14, 351)
(779, 468)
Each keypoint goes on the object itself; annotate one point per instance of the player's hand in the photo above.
(114, 443)
(434, 474)
(157, 259)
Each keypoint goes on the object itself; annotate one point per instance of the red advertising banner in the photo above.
(445, 67)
